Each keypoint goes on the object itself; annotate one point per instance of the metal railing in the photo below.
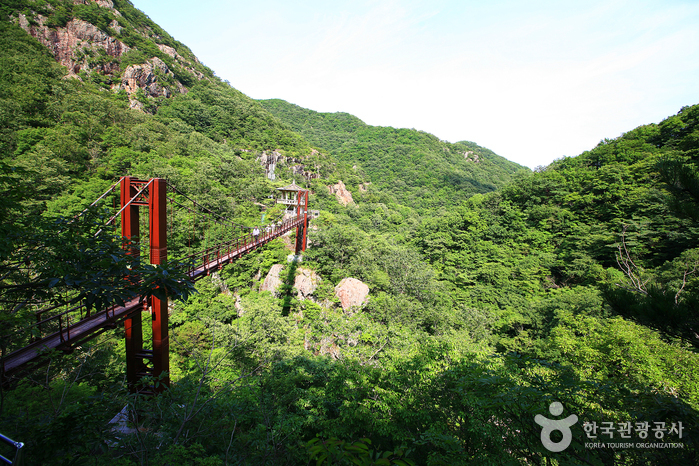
(19, 452)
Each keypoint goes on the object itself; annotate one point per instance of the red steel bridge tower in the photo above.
(142, 362)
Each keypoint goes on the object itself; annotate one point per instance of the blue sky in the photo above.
(531, 80)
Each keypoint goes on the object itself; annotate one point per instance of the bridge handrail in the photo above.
(39, 321)
(18, 460)
(242, 244)
(65, 327)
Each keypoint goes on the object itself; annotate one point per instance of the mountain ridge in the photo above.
(400, 160)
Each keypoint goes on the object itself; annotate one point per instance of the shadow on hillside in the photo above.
(286, 291)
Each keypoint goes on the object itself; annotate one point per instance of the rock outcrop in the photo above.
(219, 283)
(269, 162)
(351, 293)
(272, 280)
(306, 282)
(83, 47)
(339, 189)
(148, 76)
(166, 49)
(471, 156)
(73, 45)
(298, 167)
(170, 51)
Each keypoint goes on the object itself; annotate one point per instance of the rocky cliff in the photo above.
(301, 168)
(74, 44)
(115, 52)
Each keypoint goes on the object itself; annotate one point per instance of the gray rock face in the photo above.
(351, 293)
(298, 166)
(306, 282)
(272, 281)
(269, 162)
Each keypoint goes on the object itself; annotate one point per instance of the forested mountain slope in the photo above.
(415, 167)
(586, 273)
(491, 294)
(619, 218)
(194, 129)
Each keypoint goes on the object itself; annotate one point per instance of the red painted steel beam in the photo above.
(301, 212)
(158, 256)
(305, 220)
(133, 325)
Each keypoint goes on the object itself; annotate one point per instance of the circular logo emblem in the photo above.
(561, 425)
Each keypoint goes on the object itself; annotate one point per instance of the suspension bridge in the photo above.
(65, 327)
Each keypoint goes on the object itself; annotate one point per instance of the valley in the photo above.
(446, 298)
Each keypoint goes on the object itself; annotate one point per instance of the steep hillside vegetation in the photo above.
(414, 167)
(612, 218)
(75, 136)
(585, 274)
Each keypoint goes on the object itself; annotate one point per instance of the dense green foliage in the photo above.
(413, 167)
(492, 294)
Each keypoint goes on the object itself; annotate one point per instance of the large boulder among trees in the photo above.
(351, 292)
(305, 282)
(272, 280)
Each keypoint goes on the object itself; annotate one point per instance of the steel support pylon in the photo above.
(138, 358)
(157, 204)
(133, 325)
(301, 210)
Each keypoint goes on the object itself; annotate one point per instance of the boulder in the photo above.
(351, 292)
(306, 282)
(272, 280)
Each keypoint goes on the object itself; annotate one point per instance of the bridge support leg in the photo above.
(133, 326)
(301, 209)
(158, 255)
(136, 366)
